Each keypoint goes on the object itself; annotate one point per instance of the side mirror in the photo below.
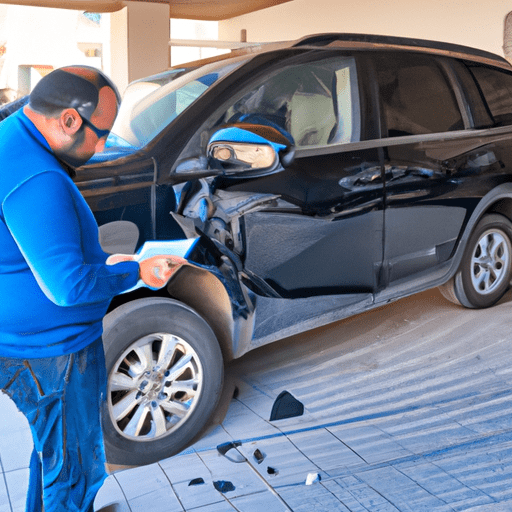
(250, 149)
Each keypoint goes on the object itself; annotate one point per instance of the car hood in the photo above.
(115, 147)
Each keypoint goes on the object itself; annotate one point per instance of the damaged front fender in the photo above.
(210, 284)
(229, 314)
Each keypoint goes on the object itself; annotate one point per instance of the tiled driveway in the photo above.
(407, 408)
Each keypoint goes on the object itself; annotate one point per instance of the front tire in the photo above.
(164, 380)
(484, 274)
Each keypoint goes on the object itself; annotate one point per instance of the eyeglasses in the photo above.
(99, 133)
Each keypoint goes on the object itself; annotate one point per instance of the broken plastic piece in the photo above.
(313, 478)
(229, 450)
(223, 486)
(225, 447)
(196, 481)
(258, 456)
(286, 406)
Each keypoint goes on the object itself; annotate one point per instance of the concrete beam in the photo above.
(213, 10)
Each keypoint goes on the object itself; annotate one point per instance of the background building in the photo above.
(35, 40)
(134, 41)
(466, 22)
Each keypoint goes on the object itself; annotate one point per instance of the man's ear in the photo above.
(70, 121)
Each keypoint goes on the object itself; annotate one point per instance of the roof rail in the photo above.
(379, 41)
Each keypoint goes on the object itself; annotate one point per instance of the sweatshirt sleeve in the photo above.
(42, 216)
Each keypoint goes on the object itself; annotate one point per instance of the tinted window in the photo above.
(479, 115)
(496, 87)
(317, 103)
(416, 97)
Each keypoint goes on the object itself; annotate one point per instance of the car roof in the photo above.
(365, 42)
(368, 41)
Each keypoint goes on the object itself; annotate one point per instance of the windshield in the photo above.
(149, 106)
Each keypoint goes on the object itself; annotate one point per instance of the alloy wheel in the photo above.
(490, 261)
(153, 387)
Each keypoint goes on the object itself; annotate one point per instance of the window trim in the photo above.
(401, 140)
(454, 81)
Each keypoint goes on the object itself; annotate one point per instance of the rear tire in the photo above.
(485, 270)
(164, 380)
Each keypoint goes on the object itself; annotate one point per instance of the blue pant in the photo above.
(61, 398)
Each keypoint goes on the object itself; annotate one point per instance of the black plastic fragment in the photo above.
(259, 456)
(225, 447)
(196, 481)
(229, 450)
(272, 471)
(223, 486)
(286, 406)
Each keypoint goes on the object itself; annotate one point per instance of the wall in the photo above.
(37, 36)
(132, 43)
(139, 41)
(469, 22)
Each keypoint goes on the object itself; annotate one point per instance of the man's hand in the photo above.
(154, 272)
(157, 271)
(117, 258)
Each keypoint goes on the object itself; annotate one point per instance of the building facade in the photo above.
(467, 22)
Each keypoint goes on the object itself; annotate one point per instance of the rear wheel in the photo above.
(484, 274)
(165, 374)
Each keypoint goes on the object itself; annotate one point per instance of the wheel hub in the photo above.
(154, 386)
(486, 262)
(490, 262)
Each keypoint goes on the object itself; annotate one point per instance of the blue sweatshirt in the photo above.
(55, 287)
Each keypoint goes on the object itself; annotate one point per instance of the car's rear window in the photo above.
(416, 97)
(496, 88)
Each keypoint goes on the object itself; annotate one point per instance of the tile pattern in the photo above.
(407, 408)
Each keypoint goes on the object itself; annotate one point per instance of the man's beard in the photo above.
(68, 157)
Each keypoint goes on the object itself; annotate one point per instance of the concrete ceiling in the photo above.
(188, 9)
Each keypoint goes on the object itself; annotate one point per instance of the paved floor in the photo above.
(407, 408)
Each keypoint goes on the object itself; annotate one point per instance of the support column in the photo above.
(139, 36)
(507, 37)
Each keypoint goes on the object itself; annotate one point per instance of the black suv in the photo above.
(311, 181)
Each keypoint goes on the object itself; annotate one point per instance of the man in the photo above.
(55, 284)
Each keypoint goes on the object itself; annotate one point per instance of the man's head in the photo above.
(74, 108)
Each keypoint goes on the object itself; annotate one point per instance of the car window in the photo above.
(149, 106)
(316, 103)
(415, 95)
(496, 88)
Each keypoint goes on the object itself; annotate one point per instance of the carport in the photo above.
(406, 408)
(140, 34)
(140, 29)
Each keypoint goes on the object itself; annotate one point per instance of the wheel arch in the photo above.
(207, 296)
(502, 206)
(195, 288)
(498, 200)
